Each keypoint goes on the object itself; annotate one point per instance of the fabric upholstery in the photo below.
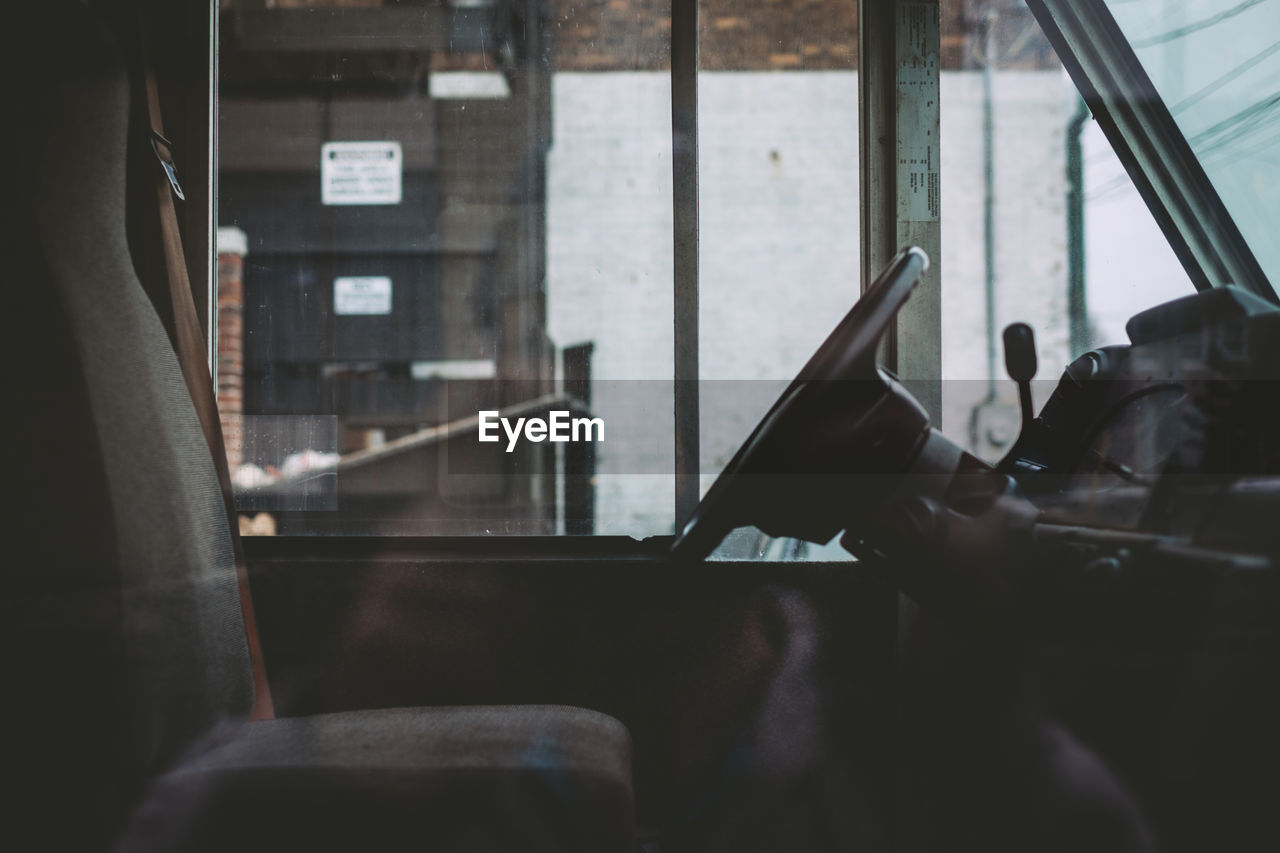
(447, 779)
(188, 658)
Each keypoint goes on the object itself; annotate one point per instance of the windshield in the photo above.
(1216, 65)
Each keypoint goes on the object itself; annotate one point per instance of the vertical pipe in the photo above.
(211, 188)
(1077, 304)
(684, 173)
(989, 196)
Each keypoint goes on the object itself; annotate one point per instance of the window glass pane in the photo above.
(778, 197)
(431, 211)
(1016, 142)
(610, 246)
(1215, 64)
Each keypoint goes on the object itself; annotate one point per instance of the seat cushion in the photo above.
(479, 778)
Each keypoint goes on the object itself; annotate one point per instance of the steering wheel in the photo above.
(837, 440)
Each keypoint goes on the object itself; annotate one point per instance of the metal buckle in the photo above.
(166, 162)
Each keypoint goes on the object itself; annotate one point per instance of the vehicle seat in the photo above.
(124, 650)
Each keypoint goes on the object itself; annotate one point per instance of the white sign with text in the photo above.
(361, 173)
(366, 294)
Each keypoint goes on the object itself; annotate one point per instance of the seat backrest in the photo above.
(126, 618)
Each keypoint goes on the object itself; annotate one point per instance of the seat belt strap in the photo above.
(189, 344)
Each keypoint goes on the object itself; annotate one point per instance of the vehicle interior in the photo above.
(642, 425)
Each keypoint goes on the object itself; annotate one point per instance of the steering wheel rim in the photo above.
(880, 405)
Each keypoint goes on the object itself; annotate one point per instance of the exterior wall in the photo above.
(1030, 111)
(743, 35)
(762, 35)
(609, 273)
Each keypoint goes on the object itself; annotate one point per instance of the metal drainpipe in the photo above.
(1077, 306)
(988, 221)
(989, 196)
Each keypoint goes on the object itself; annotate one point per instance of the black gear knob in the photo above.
(1020, 352)
(1020, 360)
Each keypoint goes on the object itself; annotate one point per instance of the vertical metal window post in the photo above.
(208, 250)
(900, 188)
(684, 173)
(900, 171)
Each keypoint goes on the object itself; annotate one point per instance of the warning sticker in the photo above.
(360, 173)
(918, 111)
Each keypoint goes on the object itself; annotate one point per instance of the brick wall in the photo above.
(232, 247)
(747, 35)
(779, 35)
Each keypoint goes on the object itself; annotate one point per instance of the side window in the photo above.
(448, 222)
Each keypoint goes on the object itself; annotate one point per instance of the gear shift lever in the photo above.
(1020, 361)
